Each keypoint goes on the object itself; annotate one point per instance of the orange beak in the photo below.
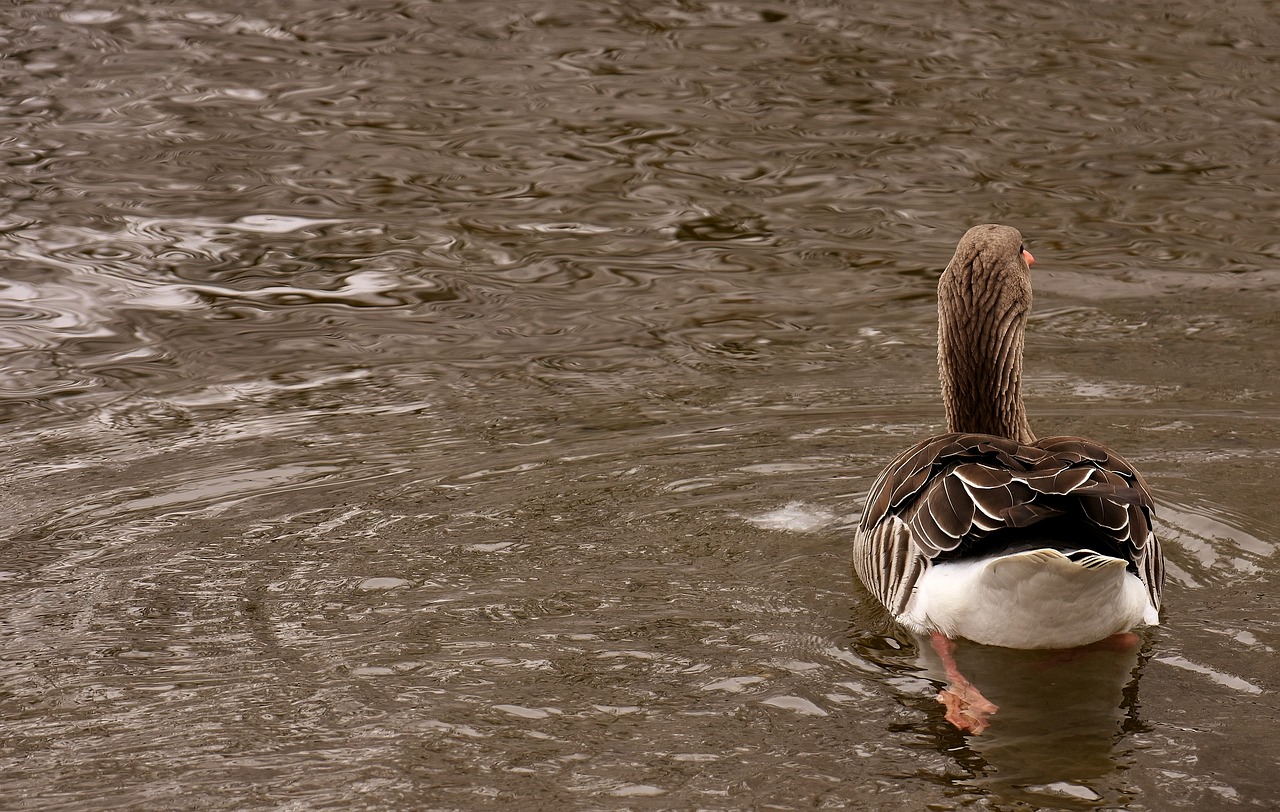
(1027, 256)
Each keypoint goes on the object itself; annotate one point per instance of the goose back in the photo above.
(970, 495)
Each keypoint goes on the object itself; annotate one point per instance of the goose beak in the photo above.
(1027, 256)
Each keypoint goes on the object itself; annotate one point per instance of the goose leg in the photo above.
(967, 708)
(1122, 643)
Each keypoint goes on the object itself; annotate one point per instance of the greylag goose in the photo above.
(986, 533)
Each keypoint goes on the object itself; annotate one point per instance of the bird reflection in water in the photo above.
(1044, 717)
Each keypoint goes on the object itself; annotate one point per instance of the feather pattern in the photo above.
(951, 495)
(1043, 542)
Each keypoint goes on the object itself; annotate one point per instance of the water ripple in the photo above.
(472, 399)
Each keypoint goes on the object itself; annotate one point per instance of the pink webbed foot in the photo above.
(967, 709)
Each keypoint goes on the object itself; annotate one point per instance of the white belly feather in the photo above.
(1032, 599)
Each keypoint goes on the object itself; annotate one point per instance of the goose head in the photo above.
(984, 300)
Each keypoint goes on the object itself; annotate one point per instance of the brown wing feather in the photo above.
(888, 564)
(945, 495)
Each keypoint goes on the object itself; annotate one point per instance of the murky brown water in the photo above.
(462, 405)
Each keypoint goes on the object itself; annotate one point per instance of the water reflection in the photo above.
(1060, 714)
(1057, 737)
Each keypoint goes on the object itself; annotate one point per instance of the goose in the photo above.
(986, 533)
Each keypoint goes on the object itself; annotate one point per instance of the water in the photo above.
(464, 405)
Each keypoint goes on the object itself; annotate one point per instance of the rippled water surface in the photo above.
(464, 405)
